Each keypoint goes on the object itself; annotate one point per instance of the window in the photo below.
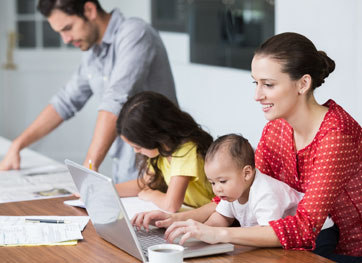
(33, 30)
(222, 32)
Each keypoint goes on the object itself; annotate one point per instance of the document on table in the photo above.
(16, 231)
(39, 182)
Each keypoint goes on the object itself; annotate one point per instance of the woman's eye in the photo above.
(268, 85)
(255, 82)
(223, 182)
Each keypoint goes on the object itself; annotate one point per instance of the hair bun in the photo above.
(328, 67)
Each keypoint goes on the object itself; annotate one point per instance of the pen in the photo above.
(90, 164)
(51, 221)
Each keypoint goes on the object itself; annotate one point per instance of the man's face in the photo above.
(74, 29)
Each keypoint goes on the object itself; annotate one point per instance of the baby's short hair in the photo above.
(238, 148)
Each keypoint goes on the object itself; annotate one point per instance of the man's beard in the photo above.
(91, 38)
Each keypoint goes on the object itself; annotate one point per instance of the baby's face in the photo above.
(226, 178)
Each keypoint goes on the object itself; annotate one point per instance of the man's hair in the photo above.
(69, 7)
(238, 148)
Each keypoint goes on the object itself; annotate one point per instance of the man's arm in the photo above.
(103, 137)
(46, 122)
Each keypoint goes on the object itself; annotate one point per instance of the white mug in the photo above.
(166, 253)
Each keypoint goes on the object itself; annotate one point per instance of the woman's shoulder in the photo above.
(276, 128)
(337, 119)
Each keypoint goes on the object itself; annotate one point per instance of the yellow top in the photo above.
(186, 161)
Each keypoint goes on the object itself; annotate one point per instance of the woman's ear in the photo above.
(90, 10)
(304, 84)
(248, 172)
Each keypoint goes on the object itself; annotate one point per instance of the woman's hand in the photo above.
(191, 228)
(156, 218)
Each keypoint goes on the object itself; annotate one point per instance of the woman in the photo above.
(316, 149)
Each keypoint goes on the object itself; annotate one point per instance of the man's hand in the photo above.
(11, 160)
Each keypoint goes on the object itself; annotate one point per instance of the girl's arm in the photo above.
(129, 188)
(171, 200)
(258, 236)
(163, 219)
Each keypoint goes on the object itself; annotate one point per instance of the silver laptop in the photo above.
(112, 223)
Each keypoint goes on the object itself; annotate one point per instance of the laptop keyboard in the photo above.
(150, 238)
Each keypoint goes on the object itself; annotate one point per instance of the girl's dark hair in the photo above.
(236, 146)
(299, 57)
(152, 121)
(70, 7)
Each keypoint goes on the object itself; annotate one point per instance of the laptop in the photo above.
(111, 221)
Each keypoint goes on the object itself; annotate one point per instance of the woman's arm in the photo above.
(259, 236)
(171, 200)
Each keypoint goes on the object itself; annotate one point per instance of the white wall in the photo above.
(334, 26)
(221, 99)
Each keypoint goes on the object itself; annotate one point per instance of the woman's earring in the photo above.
(300, 92)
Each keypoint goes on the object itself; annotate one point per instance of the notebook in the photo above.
(111, 222)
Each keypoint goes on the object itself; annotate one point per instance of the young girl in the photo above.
(172, 148)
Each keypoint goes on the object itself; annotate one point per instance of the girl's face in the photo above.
(150, 153)
(275, 90)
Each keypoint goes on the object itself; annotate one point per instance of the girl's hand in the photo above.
(156, 218)
(146, 194)
(191, 228)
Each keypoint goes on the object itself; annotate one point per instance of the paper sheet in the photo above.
(16, 231)
(37, 174)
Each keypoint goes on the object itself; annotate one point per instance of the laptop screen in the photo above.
(105, 209)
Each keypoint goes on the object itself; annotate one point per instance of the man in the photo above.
(121, 57)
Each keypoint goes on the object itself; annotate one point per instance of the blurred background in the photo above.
(210, 44)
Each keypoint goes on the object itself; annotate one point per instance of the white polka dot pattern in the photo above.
(328, 171)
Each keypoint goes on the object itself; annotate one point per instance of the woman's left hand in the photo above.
(192, 228)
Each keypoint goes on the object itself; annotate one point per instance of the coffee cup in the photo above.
(165, 253)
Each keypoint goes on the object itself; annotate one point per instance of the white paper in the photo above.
(134, 205)
(38, 233)
(15, 230)
(82, 221)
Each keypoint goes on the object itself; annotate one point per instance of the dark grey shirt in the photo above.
(130, 59)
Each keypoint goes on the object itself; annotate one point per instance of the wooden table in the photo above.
(95, 249)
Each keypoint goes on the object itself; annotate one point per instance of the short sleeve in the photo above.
(224, 208)
(272, 200)
(186, 162)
